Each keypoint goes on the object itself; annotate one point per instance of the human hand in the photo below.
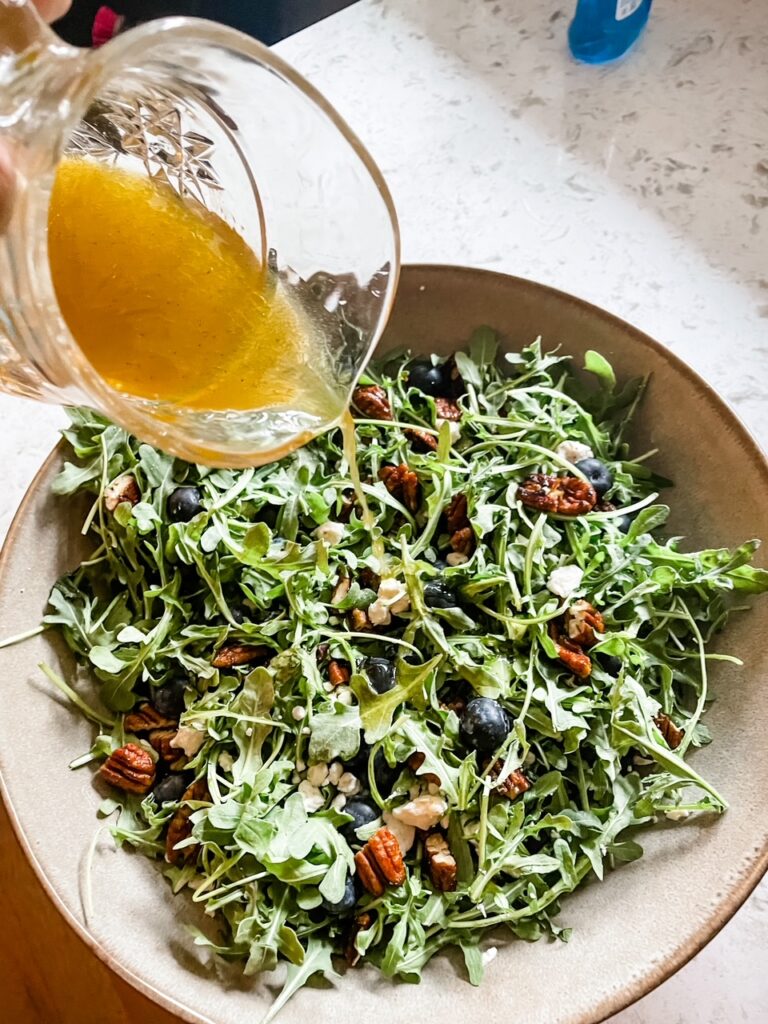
(50, 10)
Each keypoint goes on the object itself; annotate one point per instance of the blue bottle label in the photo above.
(626, 7)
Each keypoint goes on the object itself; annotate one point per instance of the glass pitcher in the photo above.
(222, 121)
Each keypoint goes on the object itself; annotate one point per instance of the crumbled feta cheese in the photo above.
(489, 955)
(392, 599)
(564, 580)
(330, 533)
(226, 761)
(306, 731)
(675, 814)
(335, 771)
(574, 451)
(404, 834)
(344, 695)
(339, 802)
(328, 687)
(317, 775)
(456, 558)
(423, 812)
(298, 713)
(311, 795)
(249, 731)
(300, 766)
(348, 784)
(188, 739)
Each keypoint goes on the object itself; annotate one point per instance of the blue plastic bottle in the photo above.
(603, 30)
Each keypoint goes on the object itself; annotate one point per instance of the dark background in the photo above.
(267, 20)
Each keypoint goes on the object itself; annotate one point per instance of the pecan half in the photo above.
(447, 409)
(513, 786)
(582, 621)
(129, 768)
(361, 923)
(238, 654)
(463, 541)
(372, 402)
(180, 826)
(441, 863)
(421, 441)
(380, 862)
(124, 488)
(403, 484)
(563, 495)
(145, 717)
(456, 513)
(669, 730)
(338, 673)
(160, 740)
(571, 654)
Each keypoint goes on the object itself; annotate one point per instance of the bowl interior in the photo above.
(630, 932)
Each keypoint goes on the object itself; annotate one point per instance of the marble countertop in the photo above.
(642, 187)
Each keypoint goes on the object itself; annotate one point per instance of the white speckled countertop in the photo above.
(642, 187)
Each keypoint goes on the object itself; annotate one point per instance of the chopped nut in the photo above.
(123, 489)
(421, 441)
(161, 740)
(405, 834)
(330, 533)
(581, 623)
(341, 590)
(456, 513)
(403, 484)
(238, 654)
(188, 739)
(129, 768)
(441, 863)
(563, 495)
(359, 622)
(338, 673)
(513, 786)
(312, 796)
(422, 812)
(372, 402)
(180, 826)
(145, 718)
(668, 729)
(463, 541)
(380, 862)
(361, 924)
(447, 409)
(574, 658)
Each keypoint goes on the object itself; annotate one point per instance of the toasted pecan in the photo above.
(456, 513)
(160, 740)
(361, 923)
(123, 489)
(359, 622)
(463, 541)
(447, 409)
(421, 441)
(513, 786)
(338, 673)
(441, 863)
(146, 717)
(234, 654)
(129, 768)
(403, 484)
(373, 403)
(582, 621)
(180, 826)
(671, 733)
(380, 862)
(562, 495)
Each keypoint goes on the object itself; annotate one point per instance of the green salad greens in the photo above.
(511, 694)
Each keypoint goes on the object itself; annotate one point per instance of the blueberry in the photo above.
(381, 674)
(168, 699)
(484, 725)
(171, 788)
(598, 475)
(610, 663)
(183, 504)
(383, 774)
(362, 814)
(438, 594)
(625, 522)
(427, 378)
(347, 901)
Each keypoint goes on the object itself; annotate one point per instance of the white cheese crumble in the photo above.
(456, 558)
(188, 739)
(344, 695)
(574, 451)
(392, 599)
(489, 955)
(676, 814)
(339, 802)
(226, 761)
(312, 797)
(348, 784)
(423, 812)
(404, 834)
(564, 580)
(298, 713)
(330, 533)
(454, 428)
(317, 775)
